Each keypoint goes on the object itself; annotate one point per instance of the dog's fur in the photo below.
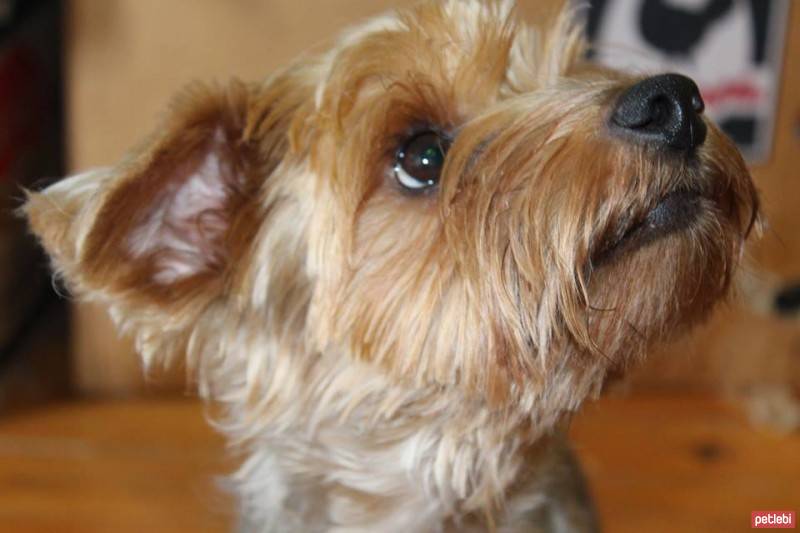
(396, 362)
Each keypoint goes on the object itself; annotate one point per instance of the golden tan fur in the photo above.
(390, 362)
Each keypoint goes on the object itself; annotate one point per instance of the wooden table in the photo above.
(658, 462)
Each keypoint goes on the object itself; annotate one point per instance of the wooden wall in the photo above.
(127, 57)
(747, 347)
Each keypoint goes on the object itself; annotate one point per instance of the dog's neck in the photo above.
(340, 435)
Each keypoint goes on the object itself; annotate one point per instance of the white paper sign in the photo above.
(731, 48)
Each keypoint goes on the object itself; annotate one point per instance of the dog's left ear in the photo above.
(165, 227)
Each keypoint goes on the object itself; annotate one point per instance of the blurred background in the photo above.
(705, 433)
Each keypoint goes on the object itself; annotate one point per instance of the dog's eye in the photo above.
(420, 160)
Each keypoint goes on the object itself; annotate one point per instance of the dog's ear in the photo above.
(165, 226)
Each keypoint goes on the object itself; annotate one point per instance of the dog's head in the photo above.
(449, 195)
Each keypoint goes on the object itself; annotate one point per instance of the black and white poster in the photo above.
(732, 48)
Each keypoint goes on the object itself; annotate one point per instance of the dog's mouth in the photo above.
(674, 212)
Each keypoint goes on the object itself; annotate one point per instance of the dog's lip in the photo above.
(674, 212)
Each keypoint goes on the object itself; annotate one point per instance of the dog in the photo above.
(397, 268)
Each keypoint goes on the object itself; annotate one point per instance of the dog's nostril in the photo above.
(664, 111)
(787, 300)
(659, 112)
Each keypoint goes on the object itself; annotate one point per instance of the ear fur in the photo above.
(159, 228)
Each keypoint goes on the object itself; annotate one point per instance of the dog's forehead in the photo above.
(453, 20)
(462, 47)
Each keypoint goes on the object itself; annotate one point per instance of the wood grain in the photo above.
(111, 467)
(656, 463)
(689, 463)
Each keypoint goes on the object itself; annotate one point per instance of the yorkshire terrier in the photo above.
(399, 267)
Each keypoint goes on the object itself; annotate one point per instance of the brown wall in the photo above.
(747, 347)
(127, 57)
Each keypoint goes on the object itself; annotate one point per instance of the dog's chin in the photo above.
(673, 213)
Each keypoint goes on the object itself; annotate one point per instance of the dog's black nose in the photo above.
(663, 110)
(787, 299)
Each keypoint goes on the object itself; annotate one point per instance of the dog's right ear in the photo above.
(166, 227)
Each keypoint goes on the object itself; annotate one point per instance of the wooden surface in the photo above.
(656, 463)
(683, 463)
(747, 346)
(778, 253)
(115, 467)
